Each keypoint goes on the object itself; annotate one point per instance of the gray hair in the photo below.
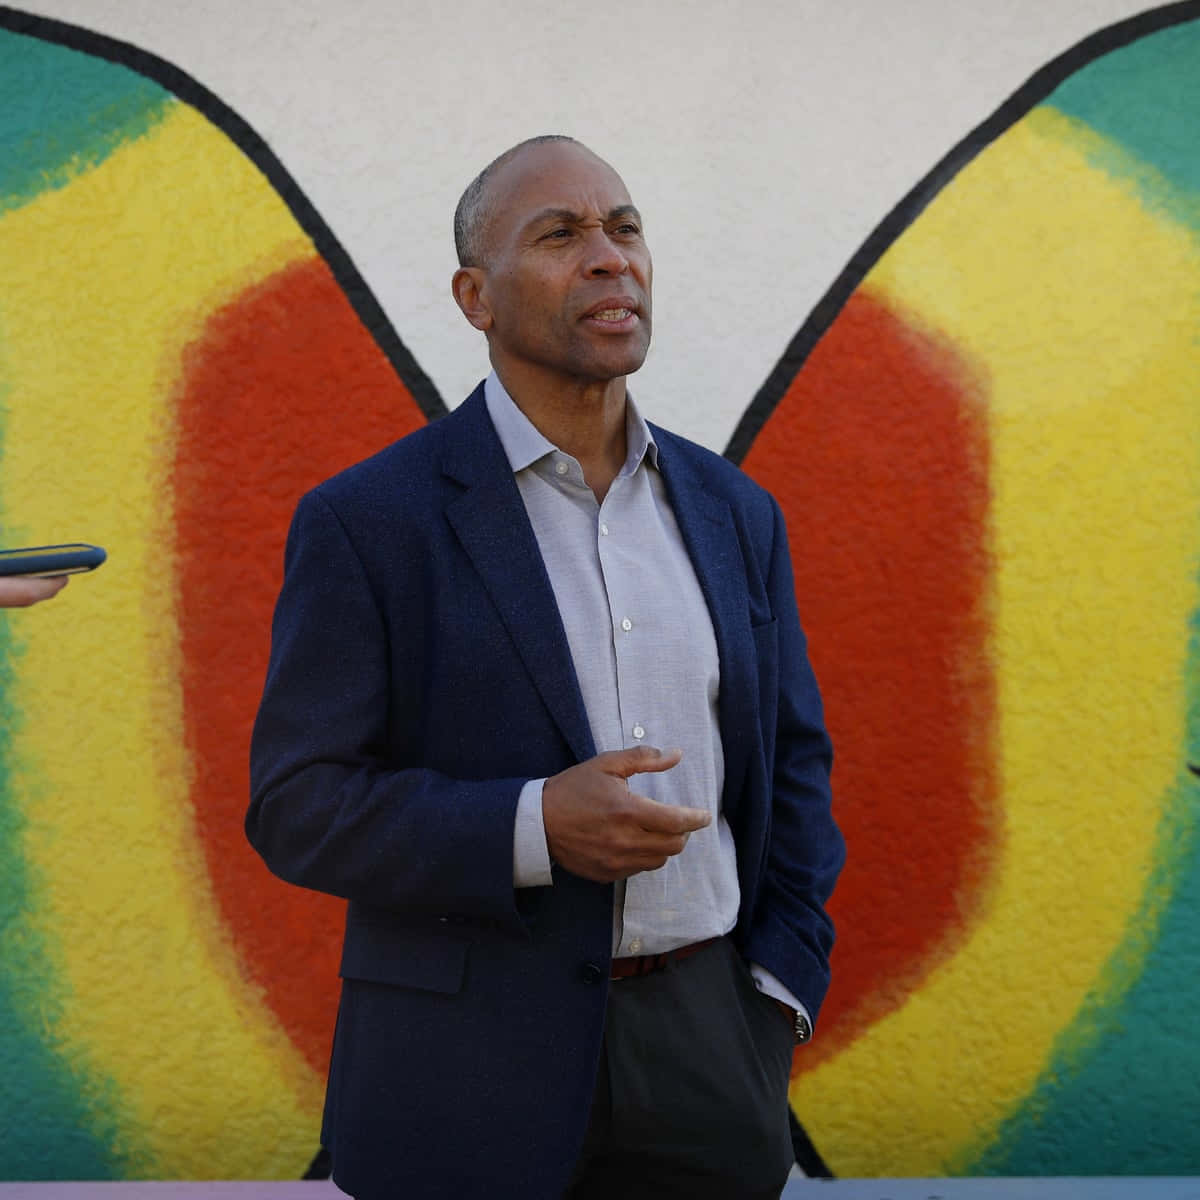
(474, 206)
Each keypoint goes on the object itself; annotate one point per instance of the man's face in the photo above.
(566, 280)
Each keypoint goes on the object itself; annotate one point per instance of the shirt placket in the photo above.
(622, 540)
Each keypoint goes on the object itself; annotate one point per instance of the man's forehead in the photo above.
(556, 175)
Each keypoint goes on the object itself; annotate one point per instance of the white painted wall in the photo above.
(762, 140)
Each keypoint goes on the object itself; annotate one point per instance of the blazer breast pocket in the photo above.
(404, 956)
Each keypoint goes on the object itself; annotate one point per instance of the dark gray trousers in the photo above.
(691, 1098)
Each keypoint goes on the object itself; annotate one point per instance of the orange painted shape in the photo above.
(878, 454)
(284, 387)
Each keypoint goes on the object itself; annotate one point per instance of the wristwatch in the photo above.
(803, 1027)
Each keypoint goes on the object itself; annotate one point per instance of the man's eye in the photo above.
(559, 233)
(629, 228)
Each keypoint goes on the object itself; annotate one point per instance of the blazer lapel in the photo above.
(711, 538)
(491, 523)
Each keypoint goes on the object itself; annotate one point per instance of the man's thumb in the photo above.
(639, 759)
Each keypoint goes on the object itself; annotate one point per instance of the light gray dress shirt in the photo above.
(645, 655)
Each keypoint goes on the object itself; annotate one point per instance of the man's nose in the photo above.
(604, 256)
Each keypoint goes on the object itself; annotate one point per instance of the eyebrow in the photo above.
(573, 218)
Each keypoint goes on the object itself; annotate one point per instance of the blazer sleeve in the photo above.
(329, 810)
(791, 933)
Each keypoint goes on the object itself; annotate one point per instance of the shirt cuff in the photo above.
(531, 856)
(767, 983)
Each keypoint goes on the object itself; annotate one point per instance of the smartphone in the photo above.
(41, 561)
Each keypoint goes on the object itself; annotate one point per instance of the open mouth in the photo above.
(616, 314)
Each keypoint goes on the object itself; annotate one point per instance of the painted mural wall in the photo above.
(986, 438)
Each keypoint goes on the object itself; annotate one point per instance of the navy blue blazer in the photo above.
(419, 676)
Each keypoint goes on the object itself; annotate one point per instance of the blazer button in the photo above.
(590, 973)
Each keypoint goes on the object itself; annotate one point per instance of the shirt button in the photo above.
(590, 973)
(604, 529)
(638, 732)
(627, 624)
(561, 467)
(636, 946)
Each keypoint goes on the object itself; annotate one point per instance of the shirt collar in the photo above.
(524, 445)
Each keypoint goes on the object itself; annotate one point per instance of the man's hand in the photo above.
(596, 827)
(20, 591)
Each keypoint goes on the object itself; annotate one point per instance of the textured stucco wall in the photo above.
(986, 448)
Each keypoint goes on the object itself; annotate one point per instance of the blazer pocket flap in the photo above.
(403, 957)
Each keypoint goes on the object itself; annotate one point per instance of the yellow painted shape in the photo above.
(104, 282)
(1080, 307)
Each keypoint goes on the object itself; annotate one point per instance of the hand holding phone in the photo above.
(29, 574)
(20, 591)
(44, 562)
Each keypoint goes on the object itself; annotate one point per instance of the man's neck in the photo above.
(583, 418)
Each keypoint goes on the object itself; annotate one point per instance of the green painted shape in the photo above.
(50, 1129)
(1122, 1090)
(63, 112)
(55, 1122)
(1146, 98)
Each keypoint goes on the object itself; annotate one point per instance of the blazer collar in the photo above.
(708, 529)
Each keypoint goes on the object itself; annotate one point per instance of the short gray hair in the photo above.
(474, 207)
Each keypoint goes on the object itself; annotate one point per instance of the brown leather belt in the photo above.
(644, 964)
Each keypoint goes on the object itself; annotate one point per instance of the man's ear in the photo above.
(467, 286)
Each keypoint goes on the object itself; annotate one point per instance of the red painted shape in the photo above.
(284, 387)
(878, 454)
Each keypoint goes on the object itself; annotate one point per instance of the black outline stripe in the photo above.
(1030, 94)
(215, 110)
(192, 92)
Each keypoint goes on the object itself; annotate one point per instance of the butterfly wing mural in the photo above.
(984, 443)
(183, 350)
(988, 461)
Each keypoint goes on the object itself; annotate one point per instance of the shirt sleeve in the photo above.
(766, 982)
(531, 855)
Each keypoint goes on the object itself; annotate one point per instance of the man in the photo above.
(483, 634)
